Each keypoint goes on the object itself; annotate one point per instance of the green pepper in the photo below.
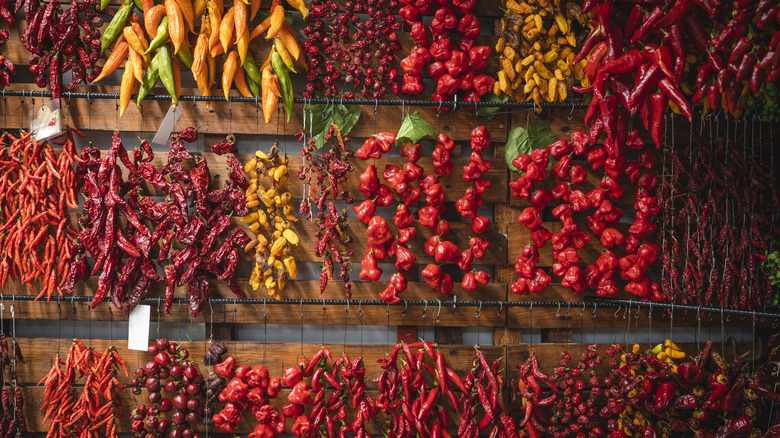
(161, 37)
(254, 87)
(103, 4)
(185, 54)
(165, 68)
(116, 25)
(284, 82)
(137, 4)
(251, 69)
(150, 80)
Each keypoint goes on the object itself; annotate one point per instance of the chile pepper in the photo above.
(284, 82)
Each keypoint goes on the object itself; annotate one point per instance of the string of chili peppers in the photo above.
(273, 271)
(483, 395)
(7, 68)
(12, 419)
(332, 169)
(172, 371)
(242, 387)
(97, 406)
(36, 190)
(111, 196)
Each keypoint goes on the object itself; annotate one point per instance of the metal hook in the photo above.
(403, 110)
(360, 308)
(438, 110)
(626, 311)
(388, 311)
(376, 102)
(582, 312)
(324, 310)
(500, 306)
(571, 114)
(617, 311)
(558, 312)
(425, 309)
(594, 309)
(264, 308)
(479, 308)
(455, 103)
(346, 311)
(454, 302)
(405, 306)
(728, 318)
(568, 307)
(774, 324)
(438, 312)
(531, 311)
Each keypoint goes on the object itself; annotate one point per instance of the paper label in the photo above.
(168, 125)
(138, 328)
(45, 120)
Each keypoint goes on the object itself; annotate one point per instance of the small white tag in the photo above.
(168, 125)
(45, 120)
(138, 328)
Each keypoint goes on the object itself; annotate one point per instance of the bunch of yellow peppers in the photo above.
(271, 208)
(198, 33)
(536, 46)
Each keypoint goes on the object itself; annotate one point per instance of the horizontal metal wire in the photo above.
(590, 303)
(313, 101)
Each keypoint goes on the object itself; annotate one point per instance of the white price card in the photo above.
(168, 125)
(138, 328)
(45, 120)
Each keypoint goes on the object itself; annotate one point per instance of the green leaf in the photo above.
(489, 112)
(413, 129)
(517, 142)
(322, 116)
(540, 134)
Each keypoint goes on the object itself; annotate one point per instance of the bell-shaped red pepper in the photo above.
(606, 288)
(541, 157)
(437, 69)
(578, 201)
(482, 84)
(445, 18)
(478, 246)
(242, 371)
(410, 196)
(540, 281)
(292, 410)
(640, 288)
(369, 183)
(607, 262)
(536, 172)
(441, 50)
(447, 85)
(274, 386)
(302, 427)
(562, 212)
(432, 275)
(540, 236)
(431, 244)
(469, 26)
(234, 391)
(412, 83)
(456, 64)
(256, 396)
(263, 431)
(577, 174)
(226, 368)
(419, 34)
(258, 377)
(559, 149)
(390, 294)
(530, 218)
(521, 162)
(300, 394)
(540, 198)
(482, 277)
(428, 216)
(384, 196)
(379, 230)
(406, 234)
(648, 251)
(632, 267)
(466, 207)
(291, 376)
(579, 142)
(402, 217)
(611, 237)
(386, 141)
(445, 251)
(434, 195)
(405, 259)
(464, 259)
(442, 228)
(446, 285)
(369, 270)
(369, 149)
(641, 227)
(411, 151)
(365, 210)
(561, 168)
(227, 418)
(479, 56)
(469, 282)
(592, 276)
(412, 171)
(612, 188)
(409, 14)
(480, 224)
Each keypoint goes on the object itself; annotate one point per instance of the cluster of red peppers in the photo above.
(113, 199)
(643, 396)
(12, 420)
(7, 68)
(452, 60)
(37, 190)
(328, 416)
(171, 371)
(414, 392)
(54, 38)
(332, 169)
(97, 407)
(603, 217)
(484, 396)
(248, 388)
(718, 221)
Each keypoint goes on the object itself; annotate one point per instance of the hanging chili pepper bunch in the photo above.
(455, 68)
(200, 252)
(54, 38)
(536, 45)
(413, 406)
(171, 371)
(716, 234)
(342, 44)
(7, 68)
(603, 216)
(97, 407)
(167, 29)
(248, 387)
(37, 188)
(484, 386)
(332, 169)
(272, 271)
(12, 421)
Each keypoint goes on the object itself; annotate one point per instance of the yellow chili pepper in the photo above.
(277, 19)
(200, 7)
(290, 236)
(118, 55)
(292, 267)
(133, 41)
(270, 93)
(215, 17)
(188, 13)
(152, 19)
(260, 28)
(240, 80)
(240, 16)
(200, 51)
(288, 62)
(136, 65)
(254, 7)
(290, 41)
(226, 28)
(175, 24)
(229, 69)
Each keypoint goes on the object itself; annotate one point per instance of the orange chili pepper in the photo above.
(188, 13)
(277, 18)
(229, 69)
(152, 18)
(132, 39)
(215, 18)
(200, 51)
(176, 78)
(200, 7)
(147, 4)
(137, 65)
(226, 27)
(240, 80)
(240, 16)
(118, 55)
(175, 24)
(254, 7)
(290, 41)
(270, 93)
(260, 28)
(242, 45)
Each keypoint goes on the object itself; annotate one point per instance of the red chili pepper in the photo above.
(648, 23)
